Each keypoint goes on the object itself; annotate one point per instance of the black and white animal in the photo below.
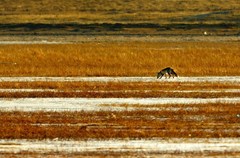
(167, 71)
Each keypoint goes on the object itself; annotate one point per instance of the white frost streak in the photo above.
(95, 104)
(124, 79)
(143, 145)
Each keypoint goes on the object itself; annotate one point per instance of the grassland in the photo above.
(120, 59)
(204, 121)
(139, 17)
(105, 21)
(118, 89)
(164, 121)
(118, 11)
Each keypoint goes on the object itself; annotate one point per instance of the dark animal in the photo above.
(166, 71)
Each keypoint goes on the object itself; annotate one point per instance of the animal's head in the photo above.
(159, 75)
(174, 73)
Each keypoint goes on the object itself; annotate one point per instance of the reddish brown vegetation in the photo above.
(202, 121)
(120, 59)
(118, 89)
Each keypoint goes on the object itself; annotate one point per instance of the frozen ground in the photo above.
(171, 145)
(124, 79)
(98, 104)
(202, 146)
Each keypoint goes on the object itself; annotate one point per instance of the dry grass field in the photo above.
(117, 90)
(183, 122)
(46, 17)
(118, 11)
(205, 121)
(211, 123)
(53, 53)
(120, 59)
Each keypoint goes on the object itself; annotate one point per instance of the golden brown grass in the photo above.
(118, 86)
(130, 94)
(95, 11)
(118, 89)
(199, 121)
(120, 59)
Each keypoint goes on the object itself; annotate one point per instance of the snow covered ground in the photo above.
(98, 104)
(151, 145)
(171, 145)
(125, 79)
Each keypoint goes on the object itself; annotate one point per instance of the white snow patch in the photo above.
(95, 104)
(118, 145)
(124, 79)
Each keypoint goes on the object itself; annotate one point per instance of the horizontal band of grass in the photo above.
(81, 11)
(118, 89)
(199, 121)
(111, 86)
(106, 94)
(120, 59)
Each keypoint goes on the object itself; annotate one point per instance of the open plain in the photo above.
(78, 78)
(103, 99)
(120, 116)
